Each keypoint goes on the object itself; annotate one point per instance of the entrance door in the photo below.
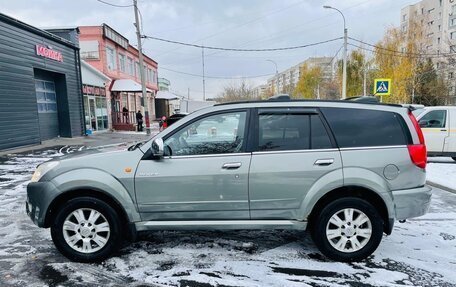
(93, 118)
(204, 174)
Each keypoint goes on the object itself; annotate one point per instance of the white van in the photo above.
(439, 129)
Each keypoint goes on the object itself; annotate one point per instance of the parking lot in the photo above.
(420, 252)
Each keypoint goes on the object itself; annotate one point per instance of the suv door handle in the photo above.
(232, 165)
(443, 130)
(324, 162)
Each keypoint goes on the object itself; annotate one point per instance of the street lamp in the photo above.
(344, 70)
(276, 74)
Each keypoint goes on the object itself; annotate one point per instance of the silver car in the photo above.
(343, 171)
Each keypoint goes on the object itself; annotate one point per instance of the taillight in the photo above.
(418, 152)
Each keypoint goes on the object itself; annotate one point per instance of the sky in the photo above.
(249, 24)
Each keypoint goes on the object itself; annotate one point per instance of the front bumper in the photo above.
(413, 202)
(39, 197)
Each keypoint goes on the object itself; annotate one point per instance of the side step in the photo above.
(220, 224)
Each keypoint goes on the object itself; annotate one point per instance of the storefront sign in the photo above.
(46, 52)
(91, 90)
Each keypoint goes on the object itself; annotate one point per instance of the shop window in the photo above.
(46, 97)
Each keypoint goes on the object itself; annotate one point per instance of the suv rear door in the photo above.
(292, 150)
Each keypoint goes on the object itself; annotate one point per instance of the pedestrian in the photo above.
(125, 114)
(139, 120)
(163, 123)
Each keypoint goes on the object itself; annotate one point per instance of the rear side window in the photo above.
(291, 132)
(363, 128)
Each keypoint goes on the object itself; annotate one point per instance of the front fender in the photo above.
(95, 179)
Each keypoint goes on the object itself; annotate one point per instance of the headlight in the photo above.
(42, 169)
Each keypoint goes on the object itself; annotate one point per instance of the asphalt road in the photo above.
(420, 252)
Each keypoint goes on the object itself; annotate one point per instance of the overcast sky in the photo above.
(233, 24)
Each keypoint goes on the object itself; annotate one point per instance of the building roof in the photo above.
(86, 65)
(33, 29)
(127, 85)
(166, 95)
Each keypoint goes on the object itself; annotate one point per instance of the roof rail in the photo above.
(307, 101)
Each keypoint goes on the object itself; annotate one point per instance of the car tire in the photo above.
(340, 239)
(86, 229)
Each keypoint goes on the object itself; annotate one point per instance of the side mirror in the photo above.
(157, 147)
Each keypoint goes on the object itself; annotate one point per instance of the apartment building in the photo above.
(438, 18)
(288, 79)
(111, 53)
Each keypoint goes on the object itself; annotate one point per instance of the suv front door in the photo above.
(203, 175)
(293, 150)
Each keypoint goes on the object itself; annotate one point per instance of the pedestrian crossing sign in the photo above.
(382, 87)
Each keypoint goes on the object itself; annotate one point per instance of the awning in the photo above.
(127, 85)
(166, 95)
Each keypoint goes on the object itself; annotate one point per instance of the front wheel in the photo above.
(348, 229)
(86, 229)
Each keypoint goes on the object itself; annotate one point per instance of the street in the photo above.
(420, 252)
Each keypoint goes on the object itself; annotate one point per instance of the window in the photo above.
(453, 22)
(216, 134)
(450, 75)
(45, 96)
(404, 17)
(291, 131)
(111, 58)
(363, 128)
(130, 67)
(440, 28)
(122, 62)
(453, 35)
(89, 50)
(434, 119)
(137, 70)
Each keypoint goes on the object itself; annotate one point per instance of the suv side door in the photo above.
(434, 124)
(293, 150)
(204, 173)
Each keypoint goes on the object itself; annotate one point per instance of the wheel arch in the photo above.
(354, 191)
(58, 202)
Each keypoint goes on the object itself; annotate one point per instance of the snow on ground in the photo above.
(442, 170)
(420, 252)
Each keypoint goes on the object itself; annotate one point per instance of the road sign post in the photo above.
(382, 87)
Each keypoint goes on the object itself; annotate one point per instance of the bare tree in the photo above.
(233, 92)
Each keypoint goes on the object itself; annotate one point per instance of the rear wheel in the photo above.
(348, 229)
(86, 229)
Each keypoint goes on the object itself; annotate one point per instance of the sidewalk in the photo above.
(97, 139)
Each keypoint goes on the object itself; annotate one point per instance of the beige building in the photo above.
(439, 19)
(288, 79)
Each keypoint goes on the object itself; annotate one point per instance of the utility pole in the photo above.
(204, 79)
(141, 69)
(344, 69)
(366, 67)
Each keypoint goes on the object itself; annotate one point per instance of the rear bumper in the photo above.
(413, 202)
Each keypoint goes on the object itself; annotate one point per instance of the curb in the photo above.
(446, 188)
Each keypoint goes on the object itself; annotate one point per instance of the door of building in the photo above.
(93, 118)
(46, 99)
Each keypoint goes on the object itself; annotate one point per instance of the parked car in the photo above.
(439, 129)
(175, 117)
(342, 170)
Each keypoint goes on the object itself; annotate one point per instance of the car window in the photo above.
(283, 132)
(364, 128)
(215, 134)
(319, 135)
(433, 119)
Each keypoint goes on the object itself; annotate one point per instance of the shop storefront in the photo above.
(96, 108)
(40, 85)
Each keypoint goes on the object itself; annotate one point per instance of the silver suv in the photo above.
(344, 171)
